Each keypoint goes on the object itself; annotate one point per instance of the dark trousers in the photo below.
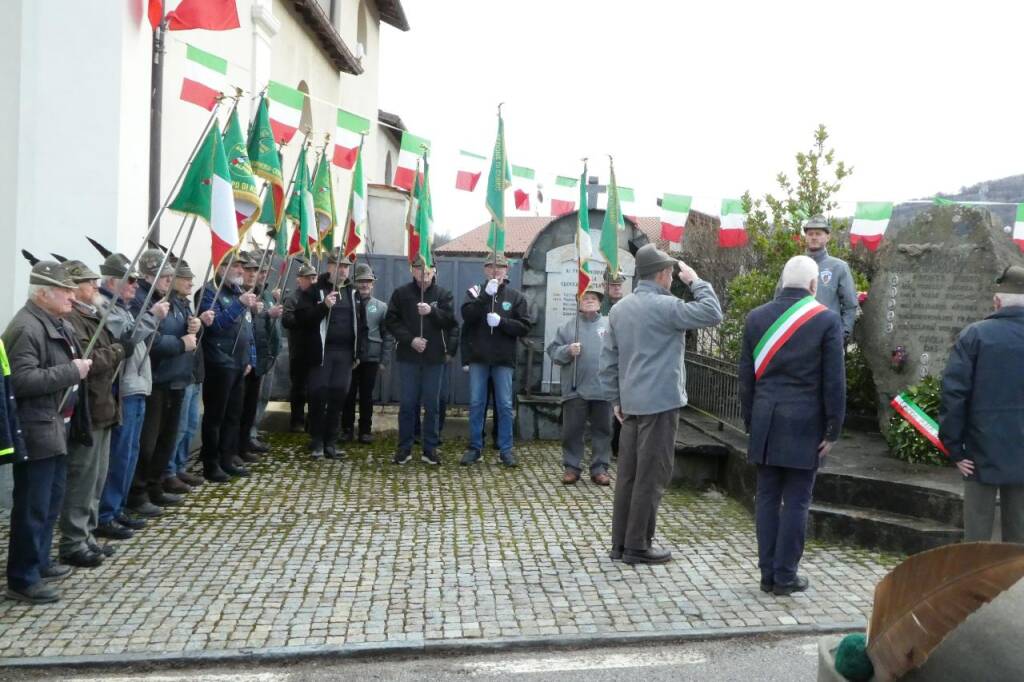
(420, 385)
(646, 456)
(576, 414)
(442, 409)
(616, 430)
(327, 387)
(158, 442)
(780, 512)
(38, 495)
(222, 411)
(298, 371)
(251, 385)
(364, 378)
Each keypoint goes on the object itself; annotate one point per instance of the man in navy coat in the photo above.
(793, 395)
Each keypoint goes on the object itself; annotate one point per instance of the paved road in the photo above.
(307, 554)
(763, 659)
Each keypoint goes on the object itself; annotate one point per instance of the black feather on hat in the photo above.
(60, 259)
(32, 260)
(104, 251)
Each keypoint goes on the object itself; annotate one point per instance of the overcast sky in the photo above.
(714, 98)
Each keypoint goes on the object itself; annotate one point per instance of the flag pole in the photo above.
(142, 247)
(494, 223)
(177, 269)
(423, 150)
(291, 183)
(579, 266)
(238, 334)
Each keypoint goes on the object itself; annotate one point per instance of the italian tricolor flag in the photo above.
(348, 135)
(356, 223)
(782, 330)
(732, 232)
(563, 196)
(919, 419)
(285, 110)
(411, 151)
(675, 208)
(1018, 228)
(206, 193)
(412, 237)
(869, 223)
(300, 209)
(583, 245)
(471, 167)
(205, 77)
(627, 203)
(523, 184)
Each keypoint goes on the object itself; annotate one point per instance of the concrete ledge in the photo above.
(136, 662)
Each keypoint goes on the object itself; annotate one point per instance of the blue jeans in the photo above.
(780, 512)
(124, 455)
(502, 378)
(420, 385)
(187, 426)
(38, 495)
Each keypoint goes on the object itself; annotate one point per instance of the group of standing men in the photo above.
(99, 445)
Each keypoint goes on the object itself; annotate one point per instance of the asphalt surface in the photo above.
(765, 659)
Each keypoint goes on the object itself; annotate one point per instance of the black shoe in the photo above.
(83, 558)
(616, 553)
(162, 499)
(647, 556)
(346, 436)
(470, 456)
(105, 550)
(256, 445)
(365, 438)
(147, 510)
(112, 531)
(508, 459)
(40, 593)
(297, 428)
(431, 457)
(331, 452)
(214, 474)
(767, 585)
(232, 470)
(799, 585)
(250, 457)
(128, 522)
(402, 456)
(54, 573)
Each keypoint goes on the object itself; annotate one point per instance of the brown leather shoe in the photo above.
(601, 479)
(190, 479)
(570, 477)
(175, 486)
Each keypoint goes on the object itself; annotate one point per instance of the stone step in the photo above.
(897, 497)
(879, 530)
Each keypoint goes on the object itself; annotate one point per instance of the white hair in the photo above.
(799, 271)
(1010, 300)
(35, 289)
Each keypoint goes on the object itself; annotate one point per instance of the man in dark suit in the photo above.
(793, 395)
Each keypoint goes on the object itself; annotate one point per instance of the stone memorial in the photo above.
(560, 297)
(934, 277)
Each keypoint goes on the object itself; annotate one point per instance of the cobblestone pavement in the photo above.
(331, 553)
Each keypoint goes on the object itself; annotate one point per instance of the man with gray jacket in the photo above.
(836, 289)
(373, 356)
(644, 376)
(576, 349)
(134, 384)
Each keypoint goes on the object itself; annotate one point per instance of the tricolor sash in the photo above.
(917, 417)
(782, 330)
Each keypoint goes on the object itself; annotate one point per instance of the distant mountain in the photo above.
(1010, 189)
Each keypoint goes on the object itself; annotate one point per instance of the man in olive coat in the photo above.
(45, 361)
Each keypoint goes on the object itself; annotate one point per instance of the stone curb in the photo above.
(134, 662)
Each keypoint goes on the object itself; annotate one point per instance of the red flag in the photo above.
(213, 15)
(156, 13)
